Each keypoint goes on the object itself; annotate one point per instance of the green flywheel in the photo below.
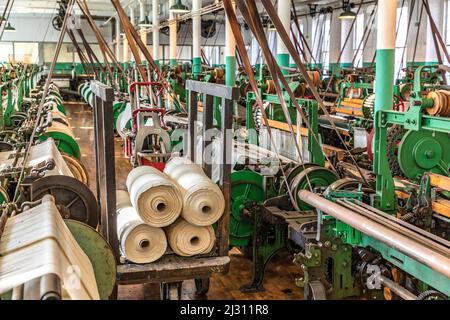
(117, 110)
(246, 188)
(314, 177)
(423, 151)
(64, 143)
(99, 253)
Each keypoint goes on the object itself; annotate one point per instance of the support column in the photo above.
(347, 54)
(284, 12)
(307, 25)
(142, 32)
(437, 12)
(370, 47)
(126, 52)
(420, 57)
(384, 92)
(173, 35)
(335, 42)
(155, 30)
(118, 39)
(230, 54)
(196, 38)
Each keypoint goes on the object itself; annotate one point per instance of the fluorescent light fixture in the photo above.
(179, 7)
(348, 13)
(145, 23)
(9, 28)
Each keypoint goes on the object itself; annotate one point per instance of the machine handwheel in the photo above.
(73, 198)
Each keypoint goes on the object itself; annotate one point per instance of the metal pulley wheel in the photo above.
(315, 290)
(423, 151)
(314, 177)
(78, 170)
(18, 118)
(73, 198)
(246, 188)
(99, 253)
(441, 103)
(8, 139)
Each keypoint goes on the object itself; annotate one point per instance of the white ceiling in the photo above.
(104, 7)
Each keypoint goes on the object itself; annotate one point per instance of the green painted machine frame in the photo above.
(310, 109)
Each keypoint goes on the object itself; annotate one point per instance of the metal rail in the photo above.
(389, 236)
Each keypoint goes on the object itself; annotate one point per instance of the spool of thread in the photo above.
(187, 240)
(154, 195)
(139, 242)
(203, 201)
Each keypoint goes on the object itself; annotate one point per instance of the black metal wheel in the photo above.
(72, 197)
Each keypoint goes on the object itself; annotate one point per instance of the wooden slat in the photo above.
(442, 207)
(440, 181)
(171, 268)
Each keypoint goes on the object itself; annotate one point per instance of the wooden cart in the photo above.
(171, 270)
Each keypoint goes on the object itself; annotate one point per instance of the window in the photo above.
(447, 26)
(6, 52)
(400, 41)
(325, 58)
(358, 46)
(26, 52)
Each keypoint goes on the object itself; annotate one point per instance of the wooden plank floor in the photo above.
(280, 273)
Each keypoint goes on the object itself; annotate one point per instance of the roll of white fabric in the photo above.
(154, 195)
(186, 239)
(139, 242)
(203, 201)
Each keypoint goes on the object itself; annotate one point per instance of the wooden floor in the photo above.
(280, 273)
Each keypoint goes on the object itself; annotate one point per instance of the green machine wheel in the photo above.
(317, 177)
(64, 142)
(99, 253)
(4, 196)
(58, 102)
(246, 189)
(423, 151)
(117, 110)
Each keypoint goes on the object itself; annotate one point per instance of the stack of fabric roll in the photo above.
(203, 205)
(173, 208)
